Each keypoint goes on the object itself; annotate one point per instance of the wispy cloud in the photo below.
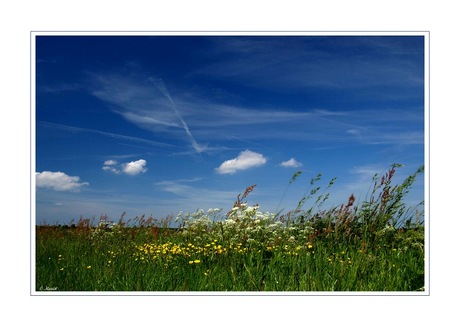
(245, 160)
(366, 172)
(58, 181)
(360, 181)
(225, 115)
(145, 102)
(146, 120)
(177, 187)
(112, 135)
(370, 126)
(192, 195)
(151, 106)
(286, 63)
(367, 135)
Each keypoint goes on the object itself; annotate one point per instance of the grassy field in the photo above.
(377, 245)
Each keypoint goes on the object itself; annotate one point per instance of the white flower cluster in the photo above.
(243, 223)
(199, 222)
(106, 230)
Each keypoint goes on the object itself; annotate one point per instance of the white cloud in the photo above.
(112, 169)
(131, 94)
(291, 163)
(129, 168)
(191, 195)
(93, 131)
(109, 165)
(368, 171)
(58, 181)
(245, 160)
(110, 162)
(135, 167)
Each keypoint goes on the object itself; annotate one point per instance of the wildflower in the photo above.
(190, 262)
(309, 246)
(88, 267)
(196, 261)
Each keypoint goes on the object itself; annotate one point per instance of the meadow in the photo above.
(375, 245)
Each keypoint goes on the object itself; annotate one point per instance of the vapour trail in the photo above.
(162, 87)
(87, 130)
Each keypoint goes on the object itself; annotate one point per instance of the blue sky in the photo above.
(155, 125)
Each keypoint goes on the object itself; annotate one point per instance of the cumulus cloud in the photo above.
(135, 167)
(58, 181)
(291, 163)
(129, 168)
(245, 160)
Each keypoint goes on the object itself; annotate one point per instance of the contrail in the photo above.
(87, 130)
(232, 137)
(162, 87)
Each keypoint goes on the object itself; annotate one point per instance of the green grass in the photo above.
(373, 246)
